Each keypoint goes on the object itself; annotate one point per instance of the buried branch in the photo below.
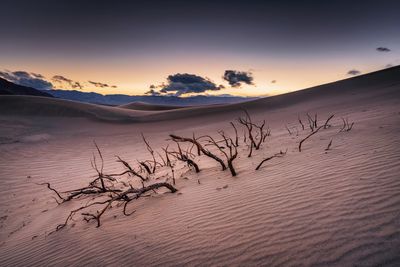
(329, 146)
(346, 125)
(200, 148)
(229, 150)
(124, 197)
(184, 157)
(108, 190)
(308, 136)
(104, 191)
(255, 139)
(313, 124)
(277, 155)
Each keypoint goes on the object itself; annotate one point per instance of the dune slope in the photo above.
(149, 107)
(312, 208)
(362, 86)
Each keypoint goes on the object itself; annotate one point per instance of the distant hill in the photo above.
(118, 99)
(9, 88)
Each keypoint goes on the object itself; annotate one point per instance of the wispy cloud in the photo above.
(61, 80)
(102, 85)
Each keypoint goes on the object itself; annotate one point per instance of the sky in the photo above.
(248, 48)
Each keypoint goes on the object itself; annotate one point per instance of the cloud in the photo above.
(36, 75)
(353, 72)
(388, 66)
(273, 81)
(383, 49)
(40, 82)
(152, 92)
(24, 78)
(184, 83)
(236, 78)
(102, 85)
(63, 80)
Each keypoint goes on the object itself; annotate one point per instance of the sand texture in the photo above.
(312, 208)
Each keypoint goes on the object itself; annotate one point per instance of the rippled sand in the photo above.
(314, 208)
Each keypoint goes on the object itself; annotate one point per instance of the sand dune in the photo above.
(368, 85)
(149, 107)
(315, 208)
(53, 107)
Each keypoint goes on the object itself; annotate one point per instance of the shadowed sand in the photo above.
(150, 107)
(315, 208)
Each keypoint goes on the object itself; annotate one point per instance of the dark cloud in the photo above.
(236, 78)
(184, 83)
(24, 78)
(152, 92)
(383, 49)
(353, 72)
(40, 82)
(102, 85)
(273, 81)
(63, 80)
(389, 66)
(39, 76)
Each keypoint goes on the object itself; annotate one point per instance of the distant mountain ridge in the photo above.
(9, 88)
(119, 99)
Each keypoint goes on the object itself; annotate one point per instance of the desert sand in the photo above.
(146, 106)
(339, 207)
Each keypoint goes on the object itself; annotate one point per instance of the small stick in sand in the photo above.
(277, 155)
(329, 146)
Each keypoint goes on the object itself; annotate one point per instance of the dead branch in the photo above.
(130, 170)
(52, 189)
(308, 136)
(301, 123)
(236, 134)
(314, 130)
(146, 167)
(248, 124)
(329, 146)
(231, 152)
(151, 151)
(290, 133)
(122, 197)
(326, 125)
(206, 152)
(184, 157)
(346, 125)
(262, 134)
(167, 159)
(95, 167)
(277, 155)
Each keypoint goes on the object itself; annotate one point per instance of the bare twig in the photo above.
(199, 147)
(329, 146)
(308, 136)
(277, 155)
